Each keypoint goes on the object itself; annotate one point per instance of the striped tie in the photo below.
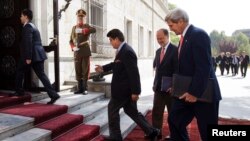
(162, 54)
(180, 44)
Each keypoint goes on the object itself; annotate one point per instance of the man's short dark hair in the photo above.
(165, 31)
(28, 13)
(116, 33)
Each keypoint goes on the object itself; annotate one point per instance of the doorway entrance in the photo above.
(10, 36)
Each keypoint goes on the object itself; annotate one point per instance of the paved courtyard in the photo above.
(235, 92)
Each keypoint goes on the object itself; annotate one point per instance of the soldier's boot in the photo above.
(85, 88)
(79, 87)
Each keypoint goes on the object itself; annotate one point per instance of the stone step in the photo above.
(102, 119)
(91, 111)
(77, 101)
(10, 127)
(126, 123)
(70, 82)
(13, 124)
(34, 134)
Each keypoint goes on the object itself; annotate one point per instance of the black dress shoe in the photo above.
(158, 137)
(78, 92)
(110, 139)
(53, 100)
(167, 138)
(18, 94)
(153, 136)
(85, 92)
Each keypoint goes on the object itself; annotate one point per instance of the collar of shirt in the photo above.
(185, 30)
(120, 47)
(25, 23)
(165, 47)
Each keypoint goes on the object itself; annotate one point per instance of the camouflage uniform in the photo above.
(79, 38)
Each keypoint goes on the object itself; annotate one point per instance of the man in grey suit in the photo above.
(125, 88)
(32, 54)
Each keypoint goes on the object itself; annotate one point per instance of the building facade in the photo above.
(137, 19)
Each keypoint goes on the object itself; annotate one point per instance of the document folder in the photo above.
(166, 83)
(182, 83)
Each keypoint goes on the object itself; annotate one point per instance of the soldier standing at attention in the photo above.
(79, 43)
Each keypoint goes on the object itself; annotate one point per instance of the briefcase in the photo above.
(181, 84)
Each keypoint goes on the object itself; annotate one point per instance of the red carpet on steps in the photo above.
(40, 112)
(99, 138)
(7, 101)
(80, 133)
(137, 134)
(61, 124)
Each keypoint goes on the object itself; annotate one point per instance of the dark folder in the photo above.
(182, 83)
(166, 83)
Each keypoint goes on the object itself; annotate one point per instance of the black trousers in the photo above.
(222, 67)
(161, 100)
(243, 69)
(182, 113)
(130, 108)
(38, 68)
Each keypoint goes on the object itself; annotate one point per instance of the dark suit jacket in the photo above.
(245, 60)
(195, 61)
(126, 77)
(167, 67)
(31, 44)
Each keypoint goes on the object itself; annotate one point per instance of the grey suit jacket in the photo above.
(31, 44)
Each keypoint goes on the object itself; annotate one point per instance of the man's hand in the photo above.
(85, 31)
(188, 97)
(75, 49)
(170, 90)
(98, 69)
(28, 61)
(134, 97)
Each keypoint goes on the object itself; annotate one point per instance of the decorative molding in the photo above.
(64, 8)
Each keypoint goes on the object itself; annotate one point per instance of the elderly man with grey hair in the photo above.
(195, 62)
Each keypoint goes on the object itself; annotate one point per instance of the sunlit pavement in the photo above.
(235, 92)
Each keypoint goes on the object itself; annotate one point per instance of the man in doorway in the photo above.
(125, 88)
(32, 54)
(79, 43)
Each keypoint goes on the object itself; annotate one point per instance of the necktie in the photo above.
(180, 44)
(162, 54)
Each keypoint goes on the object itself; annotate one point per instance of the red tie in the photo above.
(180, 44)
(162, 54)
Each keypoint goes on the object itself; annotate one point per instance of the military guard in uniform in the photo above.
(79, 43)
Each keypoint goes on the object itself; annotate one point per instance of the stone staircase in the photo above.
(89, 110)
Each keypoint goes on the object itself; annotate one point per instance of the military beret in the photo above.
(81, 12)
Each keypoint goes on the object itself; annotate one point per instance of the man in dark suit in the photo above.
(194, 60)
(165, 66)
(125, 88)
(244, 61)
(32, 54)
(214, 63)
(221, 59)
